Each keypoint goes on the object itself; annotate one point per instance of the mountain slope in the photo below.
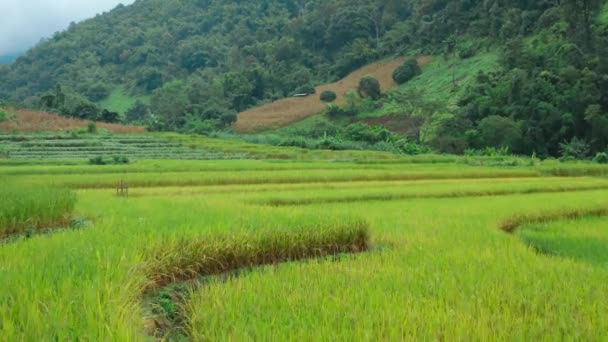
(192, 65)
(284, 112)
(212, 58)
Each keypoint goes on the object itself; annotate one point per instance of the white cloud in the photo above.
(24, 22)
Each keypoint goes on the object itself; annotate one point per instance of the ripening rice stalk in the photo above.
(183, 259)
(512, 224)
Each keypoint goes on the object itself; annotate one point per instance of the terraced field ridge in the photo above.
(85, 146)
(190, 260)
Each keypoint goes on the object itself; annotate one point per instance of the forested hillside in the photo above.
(183, 63)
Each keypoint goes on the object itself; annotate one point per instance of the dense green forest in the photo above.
(199, 62)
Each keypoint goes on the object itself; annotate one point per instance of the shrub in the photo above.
(575, 149)
(138, 111)
(4, 153)
(108, 116)
(228, 118)
(297, 141)
(121, 160)
(408, 70)
(407, 147)
(328, 96)
(497, 131)
(97, 161)
(330, 143)
(91, 127)
(383, 146)
(335, 111)
(467, 52)
(306, 89)
(366, 133)
(601, 158)
(3, 116)
(369, 87)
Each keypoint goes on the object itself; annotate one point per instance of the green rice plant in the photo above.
(443, 259)
(26, 208)
(581, 239)
(191, 178)
(459, 192)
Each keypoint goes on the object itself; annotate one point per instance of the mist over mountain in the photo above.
(6, 59)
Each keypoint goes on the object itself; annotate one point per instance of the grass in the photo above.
(118, 101)
(35, 121)
(435, 84)
(443, 259)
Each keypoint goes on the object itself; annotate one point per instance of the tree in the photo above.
(369, 87)
(170, 102)
(91, 127)
(109, 116)
(83, 110)
(579, 15)
(97, 92)
(54, 99)
(238, 89)
(497, 131)
(451, 46)
(138, 111)
(601, 158)
(328, 96)
(408, 70)
(228, 118)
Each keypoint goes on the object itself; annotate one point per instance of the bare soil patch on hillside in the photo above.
(289, 110)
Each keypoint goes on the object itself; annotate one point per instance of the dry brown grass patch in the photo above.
(36, 121)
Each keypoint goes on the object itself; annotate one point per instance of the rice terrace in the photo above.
(283, 249)
(304, 170)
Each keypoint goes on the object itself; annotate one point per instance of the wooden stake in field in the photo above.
(122, 189)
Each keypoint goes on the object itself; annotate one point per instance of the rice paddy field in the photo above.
(386, 249)
(60, 146)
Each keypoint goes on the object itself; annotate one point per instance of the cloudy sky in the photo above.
(24, 22)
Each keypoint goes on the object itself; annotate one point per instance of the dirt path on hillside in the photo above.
(289, 110)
